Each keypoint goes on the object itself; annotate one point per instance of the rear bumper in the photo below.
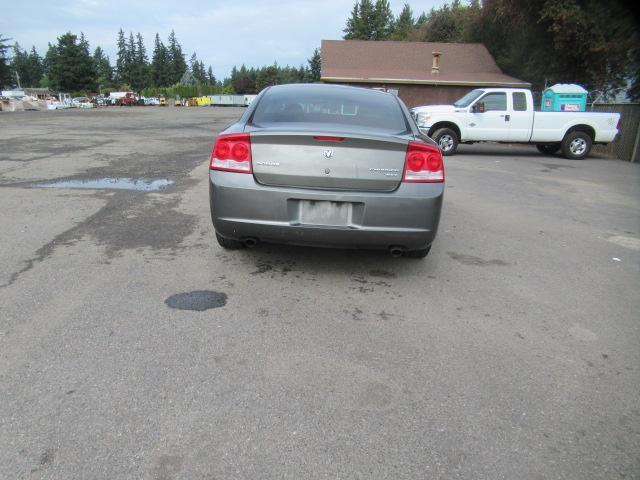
(407, 217)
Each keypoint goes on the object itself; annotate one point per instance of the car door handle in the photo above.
(506, 117)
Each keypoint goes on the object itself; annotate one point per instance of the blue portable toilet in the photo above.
(564, 97)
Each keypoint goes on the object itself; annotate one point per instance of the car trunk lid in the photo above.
(328, 160)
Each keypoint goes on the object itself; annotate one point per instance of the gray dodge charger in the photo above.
(329, 166)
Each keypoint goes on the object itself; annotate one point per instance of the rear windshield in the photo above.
(331, 107)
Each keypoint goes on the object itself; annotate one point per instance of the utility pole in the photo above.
(18, 79)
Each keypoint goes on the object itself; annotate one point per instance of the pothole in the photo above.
(111, 183)
(199, 300)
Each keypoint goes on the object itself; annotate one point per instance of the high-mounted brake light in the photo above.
(328, 139)
(423, 163)
(232, 153)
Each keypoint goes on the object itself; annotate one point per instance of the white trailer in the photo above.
(231, 100)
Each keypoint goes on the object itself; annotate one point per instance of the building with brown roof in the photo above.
(421, 73)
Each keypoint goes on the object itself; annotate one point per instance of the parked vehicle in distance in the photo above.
(330, 166)
(100, 101)
(151, 101)
(81, 102)
(162, 102)
(127, 100)
(507, 115)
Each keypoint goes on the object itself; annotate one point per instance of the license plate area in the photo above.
(325, 213)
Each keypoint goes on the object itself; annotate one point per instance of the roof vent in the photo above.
(435, 66)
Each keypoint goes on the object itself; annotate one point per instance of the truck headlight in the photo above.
(423, 118)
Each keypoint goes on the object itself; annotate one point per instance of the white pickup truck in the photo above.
(507, 115)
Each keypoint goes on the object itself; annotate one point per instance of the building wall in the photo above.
(417, 95)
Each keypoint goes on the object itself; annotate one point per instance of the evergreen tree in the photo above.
(267, 76)
(304, 74)
(27, 66)
(352, 30)
(211, 79)
(70, 67)
(404, 25)
(176, 57)
(140, 67)
(36, 69)
(243, 81)
(382, 20)
(123, 61)
(369, 21)
(315, 66)
(365, 24)
(197, 70)
(103, 68)
(130, 79)
(161, 73)
(19, 66)
(48, 62)
(5, 69)
(202, 73)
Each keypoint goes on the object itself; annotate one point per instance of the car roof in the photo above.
(325, 87)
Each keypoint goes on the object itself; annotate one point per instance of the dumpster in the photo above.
(204, 101)
(564, 97)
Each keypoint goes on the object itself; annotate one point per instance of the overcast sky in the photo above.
(222, 33)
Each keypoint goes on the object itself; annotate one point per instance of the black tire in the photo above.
(576, 145)
(417, 253)
(447, 140)
(548, 148)
(229, 244)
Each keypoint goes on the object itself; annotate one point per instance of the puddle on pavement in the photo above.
(199, 300)
(138, 184)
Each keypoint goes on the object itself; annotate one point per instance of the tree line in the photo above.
(69, 66)
(595, 44)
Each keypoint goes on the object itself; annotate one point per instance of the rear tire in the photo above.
(548, 148)
(229, 244)
(417, 253)
(576, 145)
(447, 140)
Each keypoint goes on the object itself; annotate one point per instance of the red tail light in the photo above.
(232, 153)
(423, 163)
(619, 124)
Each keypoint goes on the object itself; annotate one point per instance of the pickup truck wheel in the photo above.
(548, 148)
(576, 145)
(447, 140)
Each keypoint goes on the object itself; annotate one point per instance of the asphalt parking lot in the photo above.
(511, 352)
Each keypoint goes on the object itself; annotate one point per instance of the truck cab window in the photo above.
(519, 102)
(495, 102)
